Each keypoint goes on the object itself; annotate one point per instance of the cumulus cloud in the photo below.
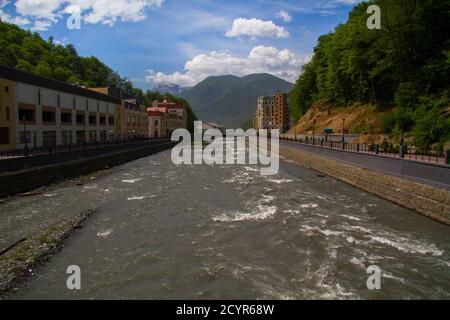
(281, 63)
(256, 28)
(44, 13)
(8, 18)
(284, 15)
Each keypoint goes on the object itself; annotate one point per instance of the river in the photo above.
(227, 232)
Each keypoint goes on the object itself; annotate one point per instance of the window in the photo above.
(93, 120)
(80, 119)
(4, 135)
(74, 103)
(59, 101)
(98, 106)
(87, 104)
(48, 117)
(49, 138)
(22, 137)
(102, 120)
(66, 137)
(81, 137)
(39, 97)
(26, 115)
(6, 89)
(7, 113)
(111, 121)
(66, 118)
(92, 136)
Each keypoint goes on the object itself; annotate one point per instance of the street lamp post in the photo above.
(343, 133)
(313, 132)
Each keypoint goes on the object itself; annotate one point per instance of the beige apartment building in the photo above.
(272, 112)
(131, 116)
(47, 113)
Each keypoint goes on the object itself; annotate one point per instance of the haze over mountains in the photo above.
(232, 100)
(173, 89)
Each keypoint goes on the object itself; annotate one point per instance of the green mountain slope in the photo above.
(404, 67)
(231, 100)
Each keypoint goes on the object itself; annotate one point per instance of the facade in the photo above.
(272, 112)
(166, 117)
(7, 118)
(49, 113)
(131, 116)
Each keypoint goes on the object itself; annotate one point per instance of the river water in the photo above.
(227, 232)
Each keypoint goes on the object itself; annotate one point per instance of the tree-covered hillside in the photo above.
(29, 52)
(405, 66)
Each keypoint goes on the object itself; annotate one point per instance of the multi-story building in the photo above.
(272, 112)
(7, 118)
(132, 122)
(42, 112)
(165, 117)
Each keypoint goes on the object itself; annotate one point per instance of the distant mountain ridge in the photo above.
(232, 100)
(173, 89)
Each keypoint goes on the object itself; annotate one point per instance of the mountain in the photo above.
(232, 100)
(173, 89)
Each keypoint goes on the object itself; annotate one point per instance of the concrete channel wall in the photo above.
(12, 183)
(430, 174)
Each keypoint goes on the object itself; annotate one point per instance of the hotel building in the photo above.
(132, 122)
(47, 113)
(272, 112)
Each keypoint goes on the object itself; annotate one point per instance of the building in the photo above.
(132, 122)
(7, 117)
(272, 112)
(42, 112)
(166, 117)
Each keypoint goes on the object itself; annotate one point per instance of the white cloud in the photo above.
(8, 18)
(45, 13)
(281, 63)
(284, 15)
(256, 28)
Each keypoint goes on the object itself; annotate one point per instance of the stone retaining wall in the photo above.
(424, 199)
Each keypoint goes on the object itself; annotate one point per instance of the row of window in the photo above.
(73, 102)
(66, 117)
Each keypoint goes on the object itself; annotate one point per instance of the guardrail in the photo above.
(31, 152)
(384, 150)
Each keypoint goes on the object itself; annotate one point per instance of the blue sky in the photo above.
(184, 41)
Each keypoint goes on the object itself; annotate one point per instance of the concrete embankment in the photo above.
(12, 183)
(21, 259)
(424, 199)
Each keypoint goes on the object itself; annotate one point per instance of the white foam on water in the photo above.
(104, 234)
(351, 217)
(251, 169)
(50, 195)
(136, 198)
(261, 213)
(131, 180)
(405, 245)
(358, 262)
(280, 181)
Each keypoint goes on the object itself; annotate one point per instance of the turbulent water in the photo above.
(226, 232)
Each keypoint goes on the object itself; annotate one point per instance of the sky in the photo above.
(182, 42)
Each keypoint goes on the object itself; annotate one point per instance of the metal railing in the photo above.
(39, 151)
(384, 150)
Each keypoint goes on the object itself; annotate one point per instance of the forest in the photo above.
(27, 51)
(403, 68)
